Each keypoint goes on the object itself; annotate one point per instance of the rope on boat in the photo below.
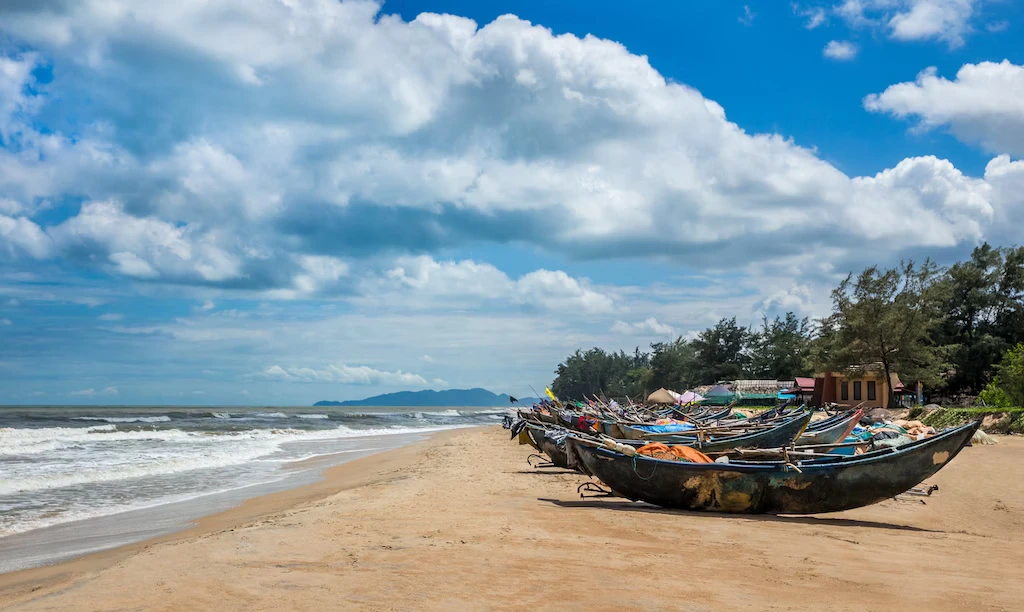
(638, 473)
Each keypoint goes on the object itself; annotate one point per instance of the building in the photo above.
(865, 385)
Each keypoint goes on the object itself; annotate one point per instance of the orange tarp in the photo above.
(658, 450)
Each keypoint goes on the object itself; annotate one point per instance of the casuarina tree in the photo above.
(886, 317)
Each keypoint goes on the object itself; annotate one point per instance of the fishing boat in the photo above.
(551, 442)
(767, 436)
(835, 430)
(825, 483)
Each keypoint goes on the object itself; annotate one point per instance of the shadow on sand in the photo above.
(628, 506)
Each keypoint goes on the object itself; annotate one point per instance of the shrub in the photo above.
(1007, 388)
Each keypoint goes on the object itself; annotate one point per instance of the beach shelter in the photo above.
(662, 396)
(719, 395)
(691, 398)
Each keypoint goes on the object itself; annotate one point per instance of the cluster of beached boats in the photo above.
(785, 460)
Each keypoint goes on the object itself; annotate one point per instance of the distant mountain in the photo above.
(450, 397)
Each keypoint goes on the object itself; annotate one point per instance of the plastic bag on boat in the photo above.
(884, 434)
(514, 425)
(888, 442)
(557, 436)
(665, 428)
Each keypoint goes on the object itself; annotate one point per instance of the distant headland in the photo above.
(449, 397)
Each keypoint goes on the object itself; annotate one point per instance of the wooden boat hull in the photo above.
(833, 434)
(554, 451)
(536, 436)
(830, 484)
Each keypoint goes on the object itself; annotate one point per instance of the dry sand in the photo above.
(461, 522)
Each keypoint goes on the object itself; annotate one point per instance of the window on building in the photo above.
(871, 389)
(856, 390)
(844, 390)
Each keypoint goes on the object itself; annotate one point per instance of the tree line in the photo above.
(955, 329)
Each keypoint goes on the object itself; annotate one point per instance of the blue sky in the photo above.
(261, 202)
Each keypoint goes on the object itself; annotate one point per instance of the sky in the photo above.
(273, 202)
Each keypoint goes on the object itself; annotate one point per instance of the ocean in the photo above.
(76, 479)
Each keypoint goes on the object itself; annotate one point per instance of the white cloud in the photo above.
(747, 18)
(9, 207)
(338, 140)
(1007, 180)
(842, 50)
(111, 316)
(146, 247)
(983, 105)
(6, 322)
(912, 20)
(556, 290)
(815, 15)
(90, 392)
(432, 282)
(797, 299)
(588, 119)
(345, 375)
(943, 19)
(208, 305)
(648, 327)
(21, 236)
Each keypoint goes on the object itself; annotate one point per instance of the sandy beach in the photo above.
(461, 522)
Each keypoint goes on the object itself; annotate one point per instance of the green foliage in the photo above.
(673, 365)
(595, 372)
(1007, 388)
(725, 351)
(722, 352)
(944, 328)
(983, 299)
(781, 350)
(994, 396)
(886, 316)
(1010, 420)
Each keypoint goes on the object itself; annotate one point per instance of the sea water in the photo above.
(75, 480)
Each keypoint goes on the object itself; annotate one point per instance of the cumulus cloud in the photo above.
(318, 137)
(797, 298)
(983, 105)
(446, 282)
(146, 247)
(842, 50)
(911, 20)
(648, 327)
(22, 237)
(346, 375)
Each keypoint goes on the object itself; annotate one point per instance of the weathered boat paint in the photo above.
(828, 484)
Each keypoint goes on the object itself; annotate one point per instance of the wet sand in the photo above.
(461, 522)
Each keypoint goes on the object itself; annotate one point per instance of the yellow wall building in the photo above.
(865, 386)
